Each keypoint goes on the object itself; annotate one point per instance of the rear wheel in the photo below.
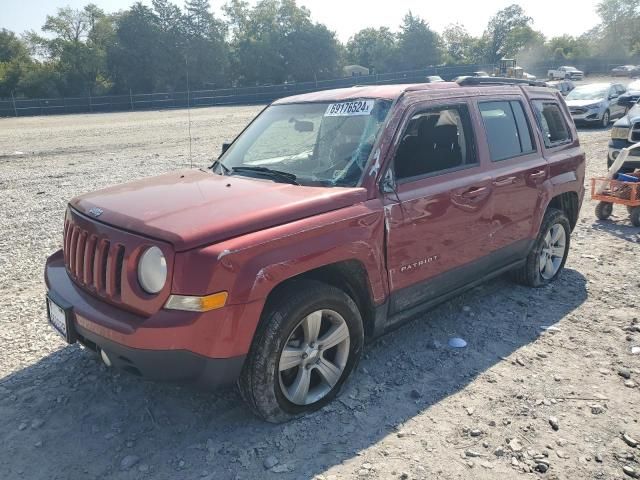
(604, 210)
(549, 253)
(305, 348)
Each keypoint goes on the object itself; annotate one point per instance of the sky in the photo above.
(346, 17)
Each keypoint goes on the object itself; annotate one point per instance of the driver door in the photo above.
(438, 218)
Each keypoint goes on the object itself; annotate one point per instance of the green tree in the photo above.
(458, 44)
(418, 45)
(277, 41)
(14, 61)
(503, 35)
(77, 44)
(619, 30)
(135, 55)
(206, 50)
(374, 48)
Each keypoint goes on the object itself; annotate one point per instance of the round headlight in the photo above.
(152, 270)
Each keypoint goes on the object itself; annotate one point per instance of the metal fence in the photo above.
(207, 98)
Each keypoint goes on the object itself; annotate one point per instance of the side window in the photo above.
(436, 140)
(621, 89)
(507, 128)
(552, 123)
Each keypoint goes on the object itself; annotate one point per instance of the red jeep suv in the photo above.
(331, 218)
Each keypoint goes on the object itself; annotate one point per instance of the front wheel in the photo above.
(549, 252)
(307, 344)
(606, 119)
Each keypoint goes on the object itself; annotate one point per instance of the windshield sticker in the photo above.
(349, 109)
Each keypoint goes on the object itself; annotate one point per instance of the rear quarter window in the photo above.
(552, 123)
(507, 129)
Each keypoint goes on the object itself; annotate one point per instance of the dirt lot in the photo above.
(415, 408)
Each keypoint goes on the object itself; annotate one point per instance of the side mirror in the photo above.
(612, 96)
(225, 147)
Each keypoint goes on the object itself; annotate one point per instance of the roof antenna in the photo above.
(186, 62)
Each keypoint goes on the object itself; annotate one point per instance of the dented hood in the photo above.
(191, 208)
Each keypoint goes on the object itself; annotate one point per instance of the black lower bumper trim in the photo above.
(166, 365)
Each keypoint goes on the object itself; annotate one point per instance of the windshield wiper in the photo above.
(223, 168)
(275, 174)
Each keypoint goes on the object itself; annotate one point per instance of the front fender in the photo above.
(251, 266)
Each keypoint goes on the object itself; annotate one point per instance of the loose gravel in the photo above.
(546, 387)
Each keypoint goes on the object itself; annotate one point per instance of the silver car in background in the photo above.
(596, 103)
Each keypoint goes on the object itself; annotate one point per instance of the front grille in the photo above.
(578, 110)
(635, 133)
(93, 262)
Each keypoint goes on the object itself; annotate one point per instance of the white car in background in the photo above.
(596, 103)
(565, 73)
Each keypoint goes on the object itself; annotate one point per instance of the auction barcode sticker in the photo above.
(347, 109)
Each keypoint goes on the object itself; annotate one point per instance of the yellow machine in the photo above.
(508, 68)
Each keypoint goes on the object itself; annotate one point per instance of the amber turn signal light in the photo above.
(197, 304)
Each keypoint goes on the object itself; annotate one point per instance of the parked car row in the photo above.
(626, 71)
(565, 73)
(596, 103)
(626, 131)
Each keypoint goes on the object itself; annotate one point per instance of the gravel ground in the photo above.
(522, 400)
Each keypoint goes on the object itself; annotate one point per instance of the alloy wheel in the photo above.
(314, 357)
(553, 250)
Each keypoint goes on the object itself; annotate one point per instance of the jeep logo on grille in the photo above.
(96, 212)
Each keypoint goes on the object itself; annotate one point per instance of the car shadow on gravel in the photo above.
(69, 417)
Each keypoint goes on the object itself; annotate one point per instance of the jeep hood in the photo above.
(191, 208)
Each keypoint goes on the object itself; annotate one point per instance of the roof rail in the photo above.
(470, 81)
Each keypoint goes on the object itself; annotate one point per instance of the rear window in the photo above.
(507, 128)
(552, 123)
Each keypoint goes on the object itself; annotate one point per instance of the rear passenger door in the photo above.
(438, 216)
(518, 170)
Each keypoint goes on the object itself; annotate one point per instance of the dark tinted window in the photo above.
(507, 128)
(552, 123)
(435, 140)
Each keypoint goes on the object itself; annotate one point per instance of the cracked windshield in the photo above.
(325, 144)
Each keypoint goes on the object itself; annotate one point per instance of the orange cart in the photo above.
(610, 192)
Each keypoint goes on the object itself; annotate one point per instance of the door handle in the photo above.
(505, 181)
(538, 174)
(474, 192)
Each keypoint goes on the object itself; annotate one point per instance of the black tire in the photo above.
(606, 119)
(604, 210)
(635, 216)
(259, 382)
(529, 274)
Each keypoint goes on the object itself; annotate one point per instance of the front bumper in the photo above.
(205, 348)
(590, 116)
(633, 161)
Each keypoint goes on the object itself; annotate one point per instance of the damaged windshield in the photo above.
(325, 144)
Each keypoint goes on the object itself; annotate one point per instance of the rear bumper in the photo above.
(206, 348)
